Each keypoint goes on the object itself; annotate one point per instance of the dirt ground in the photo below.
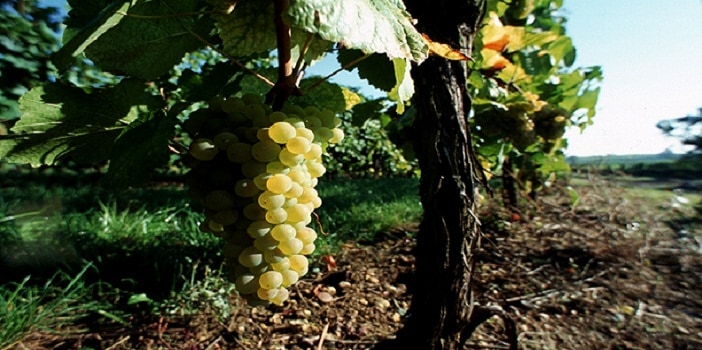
(611, 272)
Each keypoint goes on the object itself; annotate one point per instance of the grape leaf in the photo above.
(249, 30)
(404, 86)
(326, 95)
(382, 26)
(149, 40)
(376, 69)
(81, 38)
(140, 148)
(60, 122)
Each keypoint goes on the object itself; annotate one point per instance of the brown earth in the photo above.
(613, 272)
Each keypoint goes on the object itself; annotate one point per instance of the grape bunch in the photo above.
(255, 170)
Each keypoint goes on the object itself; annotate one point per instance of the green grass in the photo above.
(145, 249)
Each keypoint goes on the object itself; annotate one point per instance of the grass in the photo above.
(145, 250)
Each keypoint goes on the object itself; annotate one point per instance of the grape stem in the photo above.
(286, 85)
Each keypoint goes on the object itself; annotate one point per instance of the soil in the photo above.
(611, 272)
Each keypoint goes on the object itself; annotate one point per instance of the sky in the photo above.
(651, 55)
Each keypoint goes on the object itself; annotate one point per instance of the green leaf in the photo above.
(141, 147)
(202, 86)
(588, 100)
(80, 40)
(60, 122)
(149, 40)
(366, 110)
(404, 86)
(325, 95)
(380, 26)
(249, 30)
(377, 68)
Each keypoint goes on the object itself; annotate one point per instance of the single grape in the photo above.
(276, 216)
(277, 168)
(306, 133)
(254, 212)
(270, 280)
(203, 149)
(224, 139)
(273, 256)
(247, 284)
(294, 191)
(232, 105)
(279, 183)
(316, 169)
(314, 153)
(270, 201)
(267, 294)
(283, 232)
(306, 235)
(262, 135)
(265, 151)
(291, 246)
(289, 277)
(290, 159)
(252, 168)
(299, 264)
(307, 249)
(226, 217)
(277, 116)
(215, 226)
(251, 257)
(246, 188)
(313, 122)
(327, 118)
(308, 195)
(258, 229)
(280, 297)
(282, 265)
(323, 134)
(298, 212)
(298, 145)
(239, 152)
(337, 135)
(281, 132)
(296, 122)
(265, 243)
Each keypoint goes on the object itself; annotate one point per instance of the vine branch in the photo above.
(286, 84)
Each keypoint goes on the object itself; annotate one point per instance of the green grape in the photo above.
(337, 122)
(277, 168)
(252, 99)
(314, 153)
(265, 151)
(224, 139)
(289, 277)
(251, 134)
(255, 111)
(260, 269)
(316, 202)
(273, 256)
(239, 152)
(276, 216)
(279, 183)
(270, 280)
(305, 132)
(226, 217)
(258, 229)
(262, 135)
(270, 201)
(290, 159)
(291, 247)
(203, 149)
(323, 134)
(247, 284)
(235, 119)
(316, 169)
(277, 116)
(267, 294)
(294, 191)
(337, 135)
(308, 195)
(232, 105)
(298, 145)
(215, 226)
(265, 243)
(246, 188)
(298, 213)
(280, 297)
(250, 257)
(311, 110)
(282, 265)
(308, 249)
(327, 118)
(261, 179)
(252, 168)
(296, 122)
(283, 232)
(302, 177)
(293, 109)
(299, 264)
(254, 212)
(281, 132)
(219, 200)
(306, 235)
(289, 202)
(312, 122)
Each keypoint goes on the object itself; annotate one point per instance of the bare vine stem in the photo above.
(286, 84)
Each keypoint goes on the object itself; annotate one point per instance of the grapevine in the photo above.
(254, 170)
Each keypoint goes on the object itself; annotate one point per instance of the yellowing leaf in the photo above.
(493, 60)
(351, 98)
(444, 50)
(535, 101)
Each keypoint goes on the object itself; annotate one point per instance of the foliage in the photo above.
(688, 129)
(526, 92)
(24, 51)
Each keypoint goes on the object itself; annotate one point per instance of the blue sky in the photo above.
(650, 52)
